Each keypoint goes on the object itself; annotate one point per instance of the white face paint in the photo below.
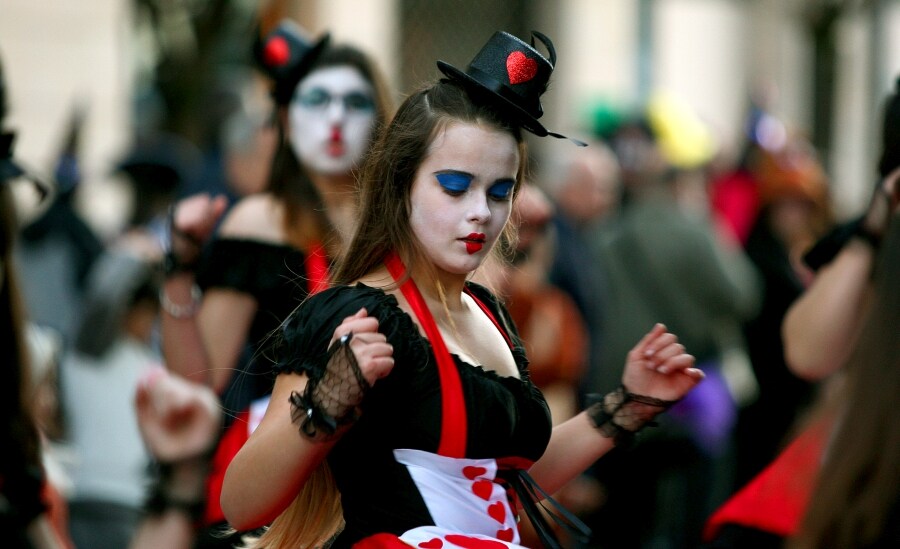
(462, 195)
(331, 118)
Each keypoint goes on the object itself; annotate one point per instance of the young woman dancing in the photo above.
(405, 381)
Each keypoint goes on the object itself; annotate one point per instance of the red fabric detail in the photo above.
(506, 535)
(229, 445)
(514, 462)
(520, 68)
(384, 541)
(316, 268)
(491, 316)
(497, 511)
(277, 52)
(775, 500)
(435, 543)
(471, 472)
(474, 543)
(453, 406)
(483, 489)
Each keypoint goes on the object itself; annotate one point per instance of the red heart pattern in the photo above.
(520, 68)
(434, 543)
(497, 511)
(474, 543)
(472, 472)
(483, 489)
(505, 535)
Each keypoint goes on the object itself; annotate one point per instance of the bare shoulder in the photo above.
(256, 217)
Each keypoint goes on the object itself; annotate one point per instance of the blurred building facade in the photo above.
(823, 64)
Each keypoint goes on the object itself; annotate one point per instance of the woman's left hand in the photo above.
(659, 367)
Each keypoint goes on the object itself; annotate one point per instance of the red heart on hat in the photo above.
(471, 472)
(505, 535)
(520, 68)
(497, 511)
(483, 489)
(277, 52)
(434, 543)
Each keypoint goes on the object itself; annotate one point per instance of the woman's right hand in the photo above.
(374, 355)
(193, 221)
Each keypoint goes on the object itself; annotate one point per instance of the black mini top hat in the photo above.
(513, 74)
(286, 56)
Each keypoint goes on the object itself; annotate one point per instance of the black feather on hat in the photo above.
(514, 75)
(286, 56)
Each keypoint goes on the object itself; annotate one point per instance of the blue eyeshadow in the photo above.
(454, 182)
(501, 190)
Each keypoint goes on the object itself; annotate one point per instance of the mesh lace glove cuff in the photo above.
(331, 400)
(620, 414)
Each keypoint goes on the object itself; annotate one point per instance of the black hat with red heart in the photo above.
(514, 75)
(286, 56)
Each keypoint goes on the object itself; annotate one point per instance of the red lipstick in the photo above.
(474, 242)
(335, 146)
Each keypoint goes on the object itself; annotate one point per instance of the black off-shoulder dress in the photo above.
(275, 276)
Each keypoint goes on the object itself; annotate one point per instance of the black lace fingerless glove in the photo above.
(620, 414)
(332, 399)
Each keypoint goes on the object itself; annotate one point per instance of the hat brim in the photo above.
(527, 121)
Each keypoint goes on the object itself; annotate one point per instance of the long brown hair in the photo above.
(388, 174)
(305, 220)
(18, 434)
(860, 477)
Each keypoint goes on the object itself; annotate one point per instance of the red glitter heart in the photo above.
(471, 472)
(277, 52)
(483, 489)
(474, 543)
(520, 68)
(497, 511)
(505, 535)
(435, 543)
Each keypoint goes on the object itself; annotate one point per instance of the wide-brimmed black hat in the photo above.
(514, 74)
(286, 55)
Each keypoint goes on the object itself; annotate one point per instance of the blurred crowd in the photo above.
(652, 222)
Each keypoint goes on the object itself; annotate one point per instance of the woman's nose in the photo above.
(479, 211)
(337, 110)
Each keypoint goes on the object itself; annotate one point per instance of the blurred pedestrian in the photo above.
(229, 285)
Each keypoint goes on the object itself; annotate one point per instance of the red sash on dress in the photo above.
(453, 405)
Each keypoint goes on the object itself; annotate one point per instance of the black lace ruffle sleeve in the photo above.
(306, 335)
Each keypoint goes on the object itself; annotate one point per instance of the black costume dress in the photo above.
(274, 275)
(279, 277)
(386, 466)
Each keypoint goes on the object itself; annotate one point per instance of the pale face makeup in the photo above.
(462, 195)
(331, 118)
